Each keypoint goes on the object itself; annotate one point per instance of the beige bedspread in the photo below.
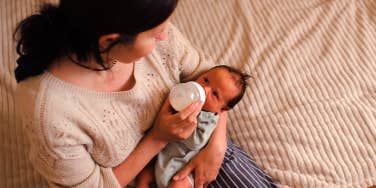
(309, 115)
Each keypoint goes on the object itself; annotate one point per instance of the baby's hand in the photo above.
(145, 178)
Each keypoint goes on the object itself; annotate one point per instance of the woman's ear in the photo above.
(106, 40)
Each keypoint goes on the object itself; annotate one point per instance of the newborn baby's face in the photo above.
(219, 87)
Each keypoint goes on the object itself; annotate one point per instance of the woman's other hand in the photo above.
(170, 127)
(208, 161)
(205, 165)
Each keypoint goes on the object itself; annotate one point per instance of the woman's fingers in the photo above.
(187, 131)
(192, 109)
(193, 117)
(199, 183)
(183, 173)
(172, 127)
(187, 125)
(166, 107)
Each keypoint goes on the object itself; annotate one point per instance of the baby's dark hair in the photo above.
(241, 82)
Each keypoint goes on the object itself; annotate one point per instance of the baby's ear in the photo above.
(226, 108)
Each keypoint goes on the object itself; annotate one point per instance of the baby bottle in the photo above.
(184, 94)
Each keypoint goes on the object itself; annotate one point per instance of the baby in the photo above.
(224, 87)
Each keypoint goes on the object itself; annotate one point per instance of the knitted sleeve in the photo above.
(71, 166)
(60, 148)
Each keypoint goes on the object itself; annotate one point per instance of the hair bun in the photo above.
(49, 13)
(37, 42)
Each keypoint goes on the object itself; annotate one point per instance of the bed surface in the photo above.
(309, 115)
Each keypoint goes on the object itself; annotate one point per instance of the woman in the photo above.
(92, 75)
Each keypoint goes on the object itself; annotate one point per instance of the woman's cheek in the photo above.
(146, 47)
(162, 36)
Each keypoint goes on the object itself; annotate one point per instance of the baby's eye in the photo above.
(206, 80)
(215, 93)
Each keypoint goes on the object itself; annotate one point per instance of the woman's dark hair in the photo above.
(74, 27)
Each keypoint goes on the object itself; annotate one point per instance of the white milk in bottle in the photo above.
(184, 94)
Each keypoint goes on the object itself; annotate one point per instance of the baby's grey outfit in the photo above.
(177, 154)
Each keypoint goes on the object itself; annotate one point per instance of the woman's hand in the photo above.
(170, 127)
(208, 161)
(205, 165)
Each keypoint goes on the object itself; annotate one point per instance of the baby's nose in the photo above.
(207, 90)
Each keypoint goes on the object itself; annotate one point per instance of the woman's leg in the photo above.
(239, 170)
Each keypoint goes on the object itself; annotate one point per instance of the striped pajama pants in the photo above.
(238, 170)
